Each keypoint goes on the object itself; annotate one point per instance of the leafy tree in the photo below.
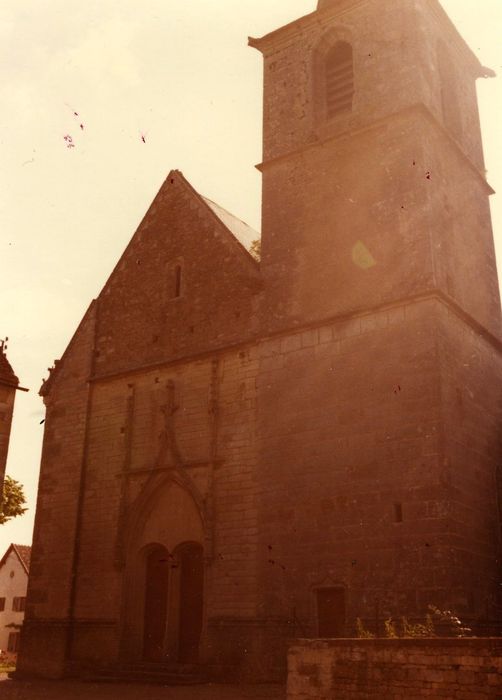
(13, 500)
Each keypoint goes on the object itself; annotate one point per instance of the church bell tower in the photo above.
(373, 177)
(377, 242)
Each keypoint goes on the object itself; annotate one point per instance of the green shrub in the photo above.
(448, 623)
(438, 623)
(390, 629)
(361, 631)
(417, 629)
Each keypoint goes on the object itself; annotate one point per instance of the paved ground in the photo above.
(72, 690)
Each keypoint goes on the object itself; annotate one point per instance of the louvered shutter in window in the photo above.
(339, 79)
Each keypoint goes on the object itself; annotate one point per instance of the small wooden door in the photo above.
(331, 612)
(156, 587)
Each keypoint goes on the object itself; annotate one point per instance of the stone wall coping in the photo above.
(382, 643)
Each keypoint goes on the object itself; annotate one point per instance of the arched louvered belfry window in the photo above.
(339, 79)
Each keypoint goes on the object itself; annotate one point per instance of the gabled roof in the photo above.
(238, 237)
(7, 375)
(240, 232)
(23, 553)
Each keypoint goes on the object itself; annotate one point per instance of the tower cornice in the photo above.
(280, 37)
(351, 132)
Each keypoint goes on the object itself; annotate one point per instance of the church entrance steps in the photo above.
(159, 674)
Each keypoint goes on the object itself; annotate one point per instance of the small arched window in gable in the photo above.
(175, 279)
(339, 79)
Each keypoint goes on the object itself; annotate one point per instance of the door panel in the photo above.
(331, 612)
(156, 589)
(191, 602)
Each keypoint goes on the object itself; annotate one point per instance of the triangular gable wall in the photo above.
(143, 319)
(13, 548)
(137, 320)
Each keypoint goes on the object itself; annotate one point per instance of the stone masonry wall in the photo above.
(44, 638)
(290, 118)
(471, 372)
(154, 325)
(349, 432)
(348, 424)
(122, 459)
(7, 396)
(394, 669)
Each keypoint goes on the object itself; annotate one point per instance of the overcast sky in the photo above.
(178, 74)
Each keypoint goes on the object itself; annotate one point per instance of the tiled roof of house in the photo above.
(23, 553)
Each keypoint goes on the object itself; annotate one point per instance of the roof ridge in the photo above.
(206, 203)
(208, 199)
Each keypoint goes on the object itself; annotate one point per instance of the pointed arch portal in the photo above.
(163, 603)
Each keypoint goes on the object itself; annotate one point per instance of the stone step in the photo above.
(148, 673)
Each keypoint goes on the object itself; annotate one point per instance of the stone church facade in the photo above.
(237, 453)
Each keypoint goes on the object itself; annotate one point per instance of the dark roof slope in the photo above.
(23, 553)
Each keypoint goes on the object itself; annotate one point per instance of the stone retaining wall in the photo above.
(395, 669)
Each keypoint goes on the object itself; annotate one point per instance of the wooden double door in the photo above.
(173, 604)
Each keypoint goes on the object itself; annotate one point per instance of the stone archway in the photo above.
(164, 573)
